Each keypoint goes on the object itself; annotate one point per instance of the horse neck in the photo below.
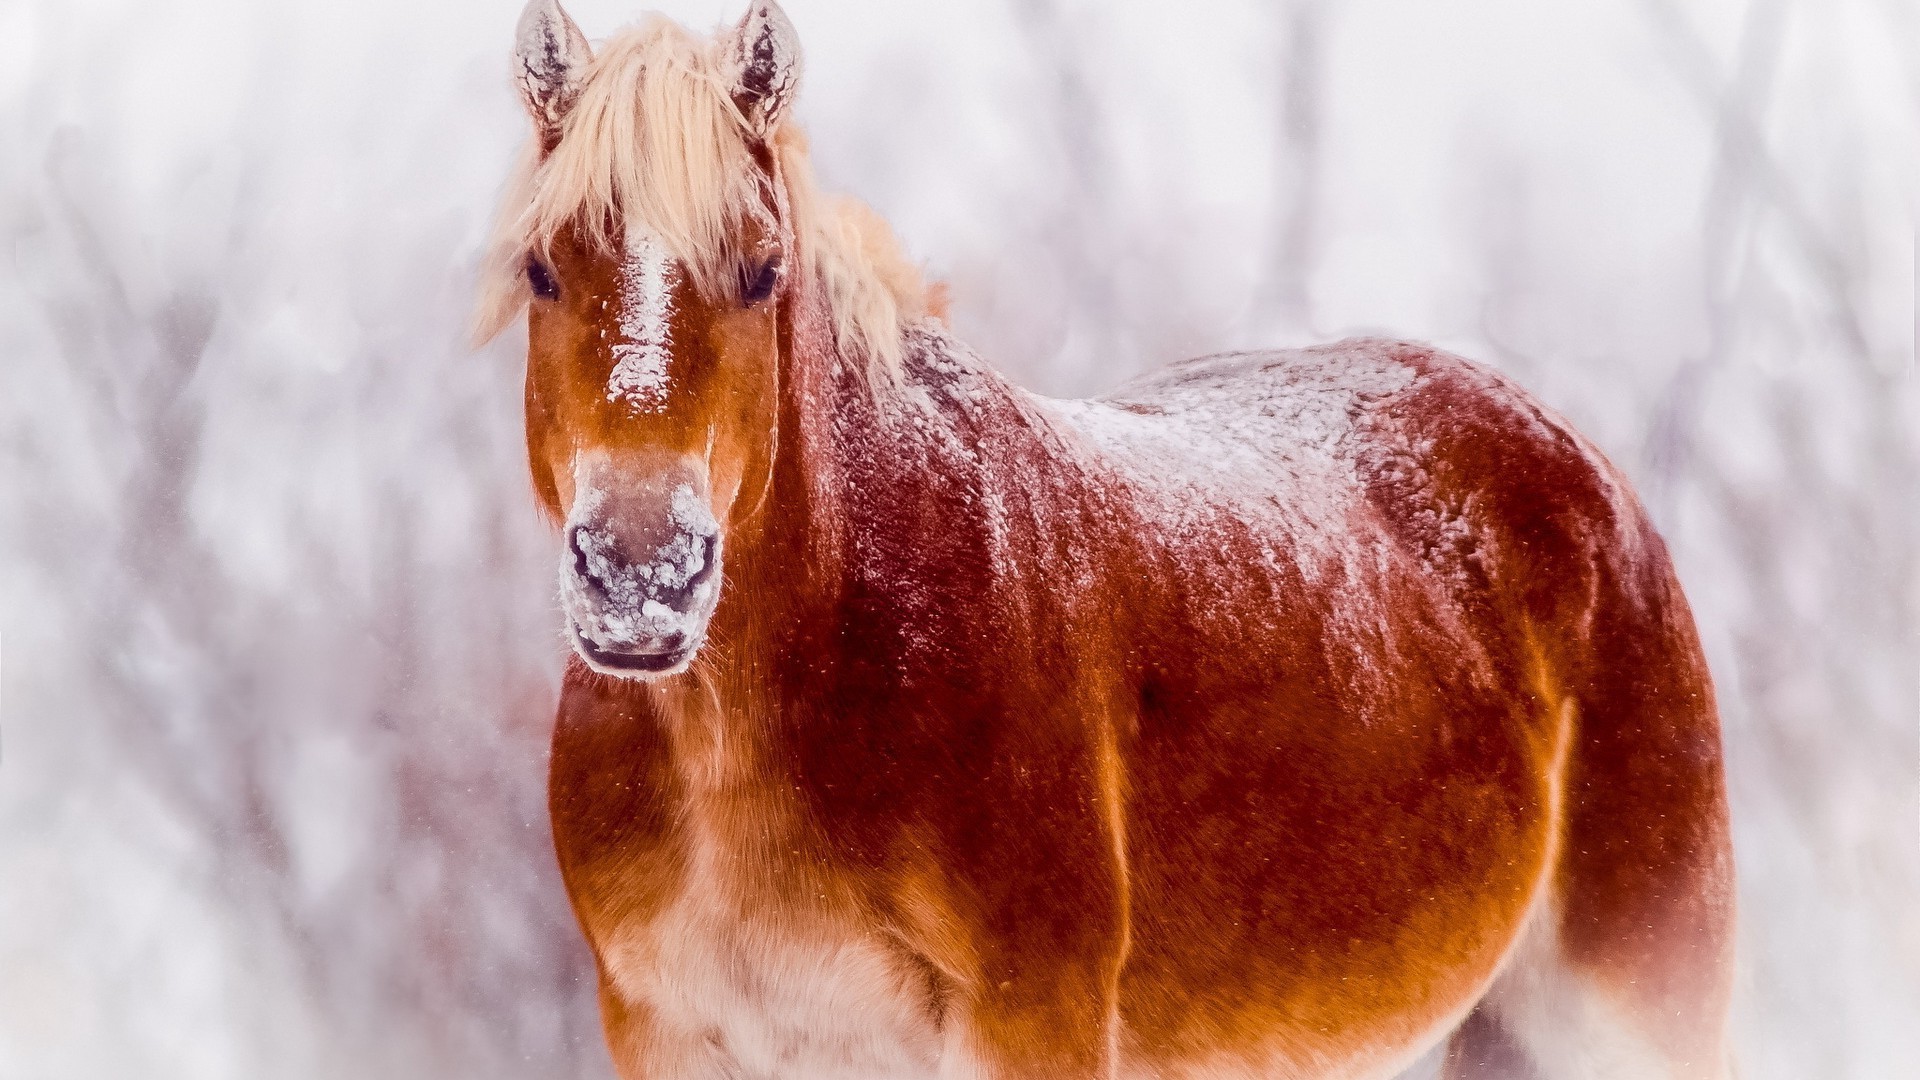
(789, 556)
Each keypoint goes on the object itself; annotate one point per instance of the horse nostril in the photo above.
(708, 565)
(579, 557)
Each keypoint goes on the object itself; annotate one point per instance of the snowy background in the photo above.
(277, 637)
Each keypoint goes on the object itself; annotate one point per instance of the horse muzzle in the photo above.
(640, 578)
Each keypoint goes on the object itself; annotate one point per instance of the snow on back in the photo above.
(1260, 438)
(1229, 470)
(647, 279)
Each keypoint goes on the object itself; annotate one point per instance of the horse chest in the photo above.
(756, 974)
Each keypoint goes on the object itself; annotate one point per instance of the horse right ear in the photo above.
(550, 57)
(765, 56)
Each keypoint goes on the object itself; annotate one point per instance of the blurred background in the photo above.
(278, 641)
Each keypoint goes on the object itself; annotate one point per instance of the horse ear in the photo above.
(550, 57)
(765, 53)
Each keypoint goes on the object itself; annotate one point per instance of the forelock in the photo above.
(655, 143)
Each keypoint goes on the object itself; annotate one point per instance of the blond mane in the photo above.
(656, 141)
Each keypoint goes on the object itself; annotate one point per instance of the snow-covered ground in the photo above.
(277, 638)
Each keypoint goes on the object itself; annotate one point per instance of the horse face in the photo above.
(650, 402)
(649, 409)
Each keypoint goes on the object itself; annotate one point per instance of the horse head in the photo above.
(652, 256)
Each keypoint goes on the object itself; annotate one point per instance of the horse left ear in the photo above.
(550, 57)
(765, 53)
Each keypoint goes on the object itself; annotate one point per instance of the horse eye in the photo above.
(541, 280)
(762, 283)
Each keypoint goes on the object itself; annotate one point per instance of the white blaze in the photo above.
(646, 324)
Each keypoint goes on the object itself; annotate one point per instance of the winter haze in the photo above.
(278, 636)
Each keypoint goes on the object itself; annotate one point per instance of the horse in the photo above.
(1278, 714)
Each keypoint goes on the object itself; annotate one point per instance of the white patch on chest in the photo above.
(764, 982)
(647, 279)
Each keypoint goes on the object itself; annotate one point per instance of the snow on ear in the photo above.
(766, 56)
(550, 57)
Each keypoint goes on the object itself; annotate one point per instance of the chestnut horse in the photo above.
(1281, 714)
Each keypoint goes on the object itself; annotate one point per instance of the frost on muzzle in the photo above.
(640, 572)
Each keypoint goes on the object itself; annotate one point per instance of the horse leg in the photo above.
(1549, 1017)
(1625, 965)
(644, 1050)
(1482, 1050)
